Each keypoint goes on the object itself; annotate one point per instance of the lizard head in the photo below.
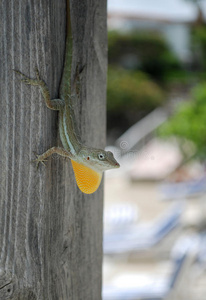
(97, 159)
(89, 167)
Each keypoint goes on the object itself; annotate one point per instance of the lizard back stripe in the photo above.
(66, 131)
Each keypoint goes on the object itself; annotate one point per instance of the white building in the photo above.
(170, 17)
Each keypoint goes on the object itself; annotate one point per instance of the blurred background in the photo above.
(155, 204)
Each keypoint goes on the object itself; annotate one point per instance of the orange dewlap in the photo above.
(87, 179)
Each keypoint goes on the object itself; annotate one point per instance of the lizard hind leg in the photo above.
(54, 104)
(31, 81)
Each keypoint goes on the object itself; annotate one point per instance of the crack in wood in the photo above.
(2, 287)
(5, 284)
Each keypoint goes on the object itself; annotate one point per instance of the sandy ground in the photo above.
(146, 197)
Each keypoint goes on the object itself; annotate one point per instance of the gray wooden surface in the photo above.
(50, 233)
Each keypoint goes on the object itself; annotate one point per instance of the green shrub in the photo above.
(130, 95)
(189, 121)
(149, 48)
(199, 45)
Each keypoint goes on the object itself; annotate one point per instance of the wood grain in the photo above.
(50, 233)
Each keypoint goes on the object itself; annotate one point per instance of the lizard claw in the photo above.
(37, 74)
(28, 80)
(18, 72)
(39, 160)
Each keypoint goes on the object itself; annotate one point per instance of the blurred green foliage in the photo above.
(149, 51)
(130, 95)
(189, 121)
(140, 66)
(199, 45)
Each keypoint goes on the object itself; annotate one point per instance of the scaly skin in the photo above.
(88, 163)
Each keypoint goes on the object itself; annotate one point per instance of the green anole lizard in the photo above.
(88, 163)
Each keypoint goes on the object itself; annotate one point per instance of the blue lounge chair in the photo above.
(179, 190)
(164, 288)
(136, 238)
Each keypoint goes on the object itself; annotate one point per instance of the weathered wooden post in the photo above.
(50, 233)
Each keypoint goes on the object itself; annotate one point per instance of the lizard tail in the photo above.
(65, 87)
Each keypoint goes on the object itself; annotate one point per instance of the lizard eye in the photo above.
(101, 156)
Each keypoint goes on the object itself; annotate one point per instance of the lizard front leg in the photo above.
(43, 157)
(54, 104)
